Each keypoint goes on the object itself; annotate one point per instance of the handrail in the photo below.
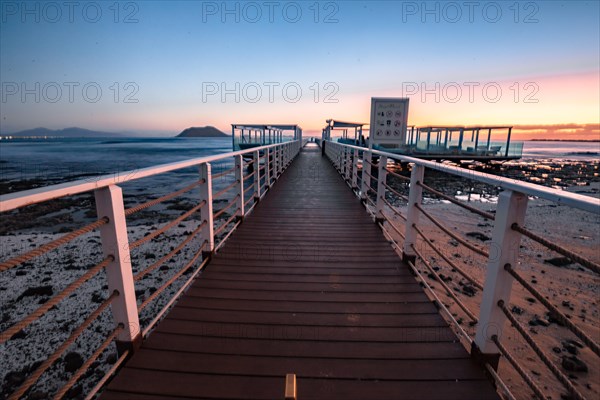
(558, 196)
(15, 200)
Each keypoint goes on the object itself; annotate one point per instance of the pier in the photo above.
(311, 282)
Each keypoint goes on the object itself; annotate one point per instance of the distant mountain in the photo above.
(67, 132)
(205, 131)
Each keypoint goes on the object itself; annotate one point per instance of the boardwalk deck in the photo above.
(306, 285)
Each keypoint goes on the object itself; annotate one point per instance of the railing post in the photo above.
(504, 249)
(256, 176)
(412, 217)
(366, 179)
(239, 176)
(280, 163)
(381, 180)
(206, 213)
(267, 168)
(355, 169)
(109, 203)
(347, 165)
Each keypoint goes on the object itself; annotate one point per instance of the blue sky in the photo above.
(167, 55)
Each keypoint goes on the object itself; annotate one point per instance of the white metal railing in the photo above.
(358, 164)
(255, 170)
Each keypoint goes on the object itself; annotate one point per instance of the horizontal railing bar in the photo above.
(397, 175)
(532, 385)
(227, 207)
(452, 234)
(174, 298)
(388, 187)
(168, 283)
(134, 209)
(441, 305)
(498, 381)
(457, 202)
(225, 189)
(452, 264)
(586, 203)
(166, 227)
(13, 262)
(248, 201)
(398, 213)
(446, 288)
(73, 380)
(559, 249)
(7, 334)
(248, 188)
(555, 312)
(92, 393)
(169, 255)
(222, 241)
(229, 220)
(249, 176)
(562, 378)
(15, 200)
(61, 349)
(370, 176)
(220, 174)
(394, 227)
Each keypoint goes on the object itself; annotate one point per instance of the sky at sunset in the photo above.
(159, 67)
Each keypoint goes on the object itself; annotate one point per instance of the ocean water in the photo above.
(26, 163)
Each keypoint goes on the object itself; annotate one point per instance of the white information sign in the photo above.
(389, 120)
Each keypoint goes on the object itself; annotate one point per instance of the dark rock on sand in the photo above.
(479, 236)
(37, 291)
(559, 261)
(574, 364)
(73, 361)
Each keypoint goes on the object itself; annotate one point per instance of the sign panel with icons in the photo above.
(389, 120)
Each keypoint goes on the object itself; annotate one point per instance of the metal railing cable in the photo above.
(452, 234)
(559, 249)
(92, 393)
(169, 282)
(446, 288)
(453, 265)
(248, 188)
(226, 189)
(227, 207)
(251, 198)
(397, 175)
(223, 173)
(451, 199)
(73, 380)
(169, 255)
(222, 241)
(393, 226)
(35, 375)
(555, 312)
(167, 226)
(140, 207)
(391, 189)
(13, 262)
(562, 378)
(249, 176)
(515, 364)
(439, 303)
(8, 333)
(224, 225)
(498, 381)
(394, 210)
(370, 176)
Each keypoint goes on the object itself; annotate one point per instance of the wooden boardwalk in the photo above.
(306, 285)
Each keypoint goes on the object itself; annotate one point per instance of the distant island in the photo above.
(65, 133)
(205, 131)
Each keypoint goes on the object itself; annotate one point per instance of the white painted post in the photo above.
(381, 180)
(366, 170)
(206, 212)
(267, 168)
(239, 176)
(504, 249)
(355, 169)
(256, 176)
(412, 217)
(280, 161)
(347, 165)
(109, 203)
